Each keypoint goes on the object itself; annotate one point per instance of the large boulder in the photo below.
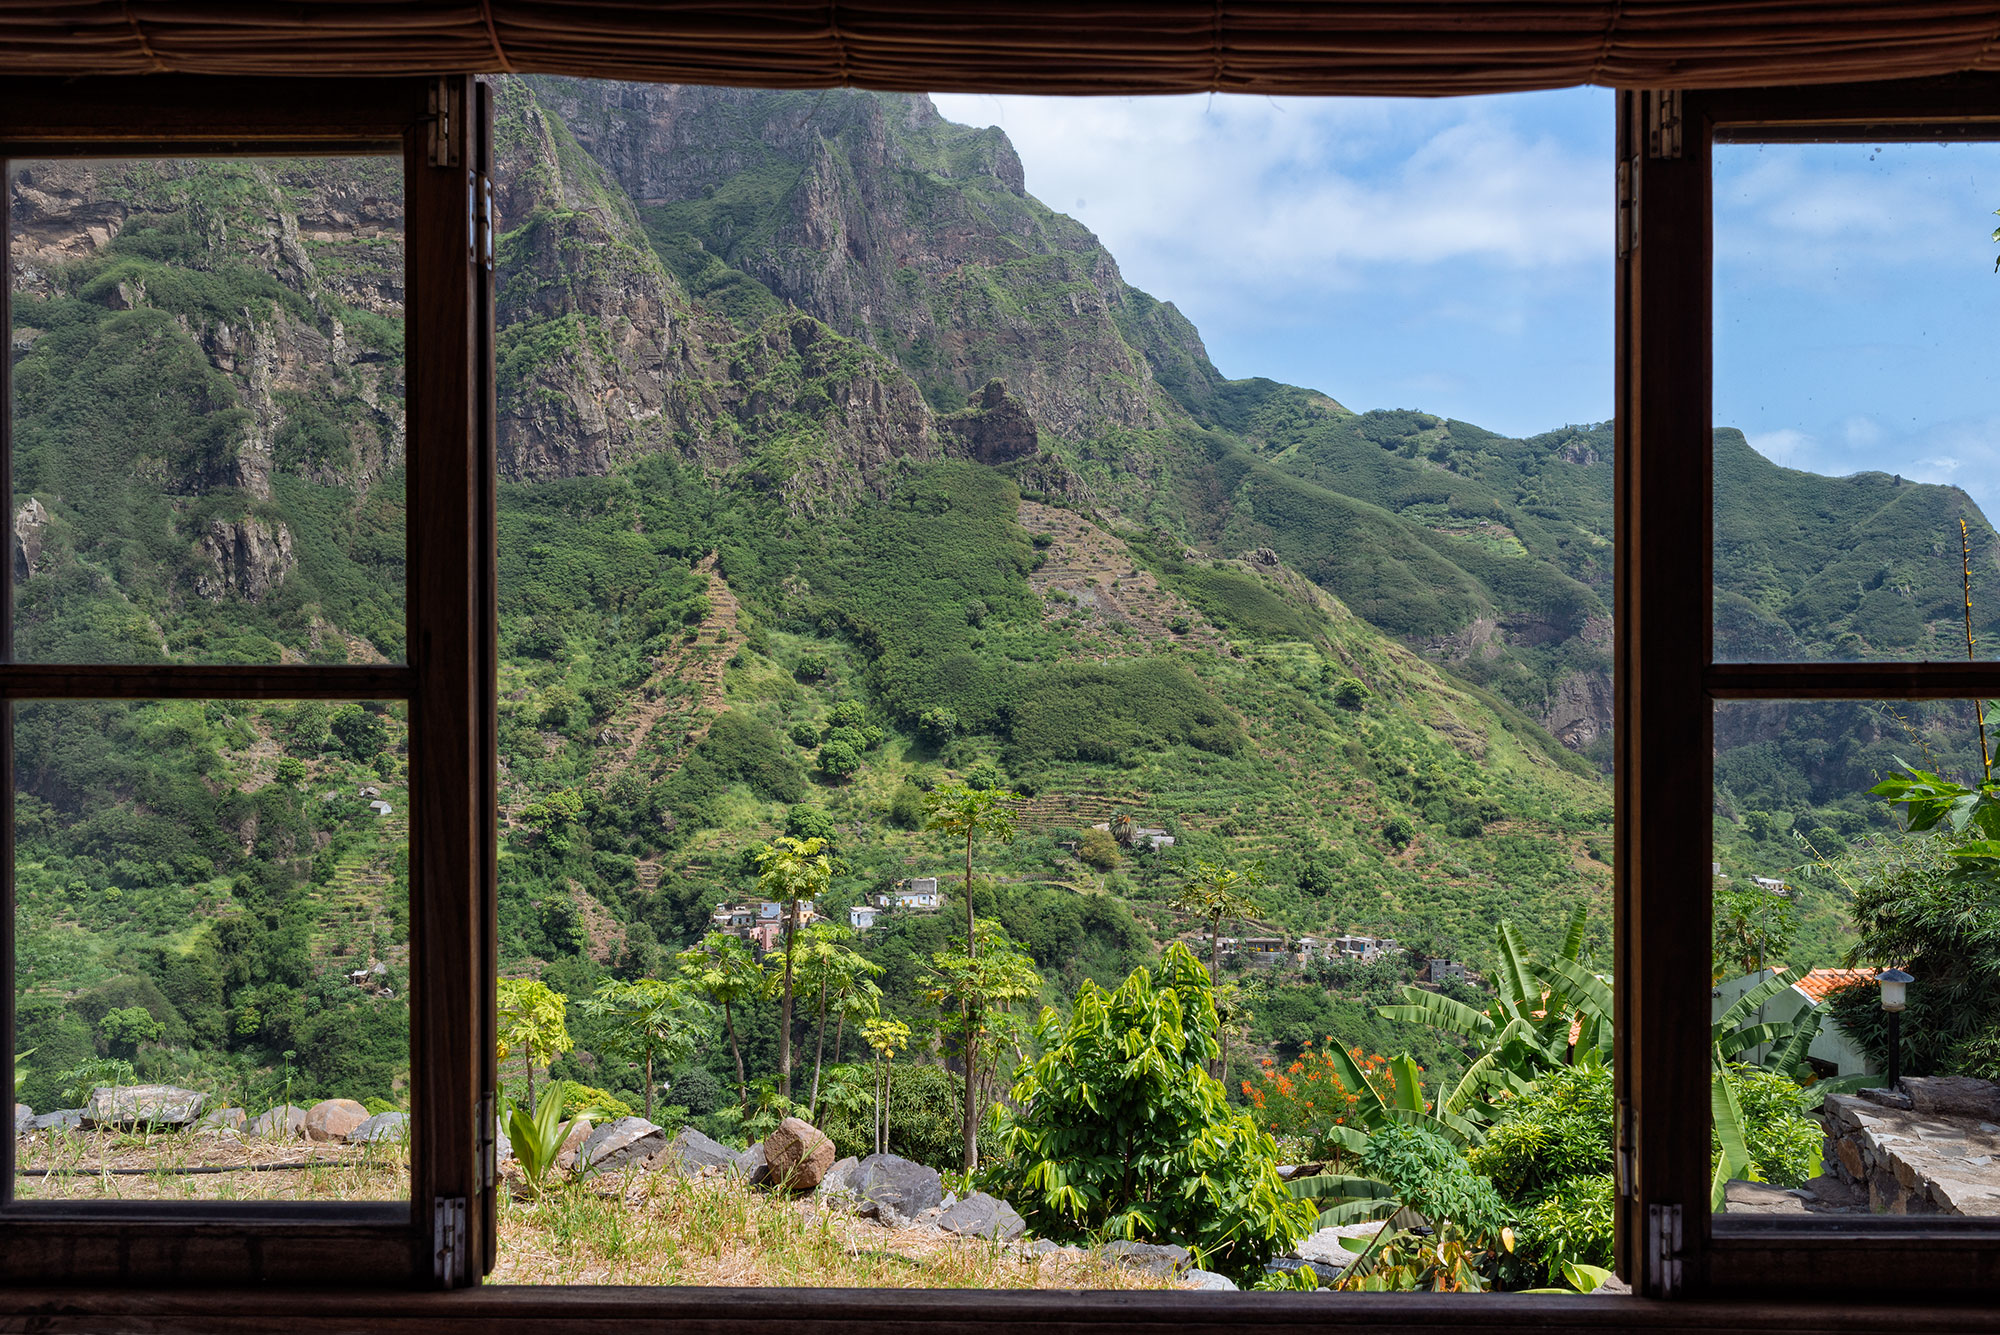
(1329, 1248)
(220, 1120)
(332, 1119)
(982, 1216)
(63, 1119)
(1154, 1258)
(753, 1165)
(618, 1143)
(285, 1123)
(894, 1189)
(579, 1131)
(24, 1118)
(798, 1154)
(839, 1179)
(142, 1105)
(690, 1151)
(1954, 1096)
(381, 1127)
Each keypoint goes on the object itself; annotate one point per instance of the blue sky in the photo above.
(1455, 255)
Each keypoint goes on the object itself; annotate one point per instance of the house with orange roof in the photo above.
(1832, 1051)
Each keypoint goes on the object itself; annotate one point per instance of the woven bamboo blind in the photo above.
(1420, 47)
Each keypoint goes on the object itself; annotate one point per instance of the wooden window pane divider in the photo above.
(1852, 681)
(33, 681)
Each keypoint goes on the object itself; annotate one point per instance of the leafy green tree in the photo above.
(291, 772)
(1214, 893)
(1123, 1133)
(886, 1038)
(968, 985)
(655, 1023)
(722, 969)
(1754, 927)
(826, 969)
(1426, 1174)
(970, 815)
(937, 725)
(532, 1022)
(360, 732)
(1100, 850)
(789, 870)
(804, 822)
(123, 1030)
(554, 817)
(838, 760)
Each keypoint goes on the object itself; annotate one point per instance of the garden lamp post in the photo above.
(1895, 987)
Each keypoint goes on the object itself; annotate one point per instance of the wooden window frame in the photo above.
(440, 130)
(1667, 687)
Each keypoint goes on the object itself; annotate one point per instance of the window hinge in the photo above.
(1622, 1154)
(1663, 123)
(1663, 1251)
(1628, 207)
(448, 1236)
(446, 112)
(486, 1137)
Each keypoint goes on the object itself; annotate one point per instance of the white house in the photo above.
(862, 917)
(1832, 1051)
(919, 893)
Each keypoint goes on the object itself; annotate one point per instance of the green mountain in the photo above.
(833, 465)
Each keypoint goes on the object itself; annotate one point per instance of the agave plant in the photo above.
(538, 1136)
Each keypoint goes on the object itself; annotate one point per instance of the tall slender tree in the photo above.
(531, 1021)
(1215, 892)
(887, 1038)
(970, 814)
(790, 870)
(825, 969)
(997, 972)
(722, 969)
(656, 1023)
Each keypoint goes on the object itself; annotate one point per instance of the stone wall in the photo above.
(1932, 1147)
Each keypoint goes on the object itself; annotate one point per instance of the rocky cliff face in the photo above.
(898, 228)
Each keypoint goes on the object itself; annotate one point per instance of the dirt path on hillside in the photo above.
(698, 664)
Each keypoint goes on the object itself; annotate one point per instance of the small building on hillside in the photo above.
(1832, 1052)
(861, 917)
(918, 894)
(1364, 949)
(760, 924)
(1437, 970)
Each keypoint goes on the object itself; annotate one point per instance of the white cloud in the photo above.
(1214, 199)
(1963, 453)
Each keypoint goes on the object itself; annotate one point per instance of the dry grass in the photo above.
(650, 1228)
(259, 1170)
(659, 1229)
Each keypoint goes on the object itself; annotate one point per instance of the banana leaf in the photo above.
(1573, 939)
(1518, 983)
(1579, 988)
(1455, 1017)
(1734, 1161)
(1743, 1006)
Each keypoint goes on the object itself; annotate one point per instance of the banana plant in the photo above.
(1346, 1199)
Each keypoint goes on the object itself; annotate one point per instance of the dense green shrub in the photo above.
(1121, 1131)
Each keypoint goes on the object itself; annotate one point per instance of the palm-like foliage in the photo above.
(789, 870)
(655, 1023)
(1214, 893)
(827, 970)
(537, 1136)
(722, 969)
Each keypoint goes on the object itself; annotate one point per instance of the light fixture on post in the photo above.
(1895, 989)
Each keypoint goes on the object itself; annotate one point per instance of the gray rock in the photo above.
(503, 1148)
(839, 1179)
(618, 1143)
(1327, 1247)
(142, 1105)
(63, 1119)
(1953, 1096)
(1208, 1280)
(380, 1127)
(285, 1123)
(982, 1216)
(1742, 1197)
(1155, 1258)
(24, 1118)
(1288, 1265)
(690, 1151)
(896, 1186)
(222, 1119)
(1042, 1247)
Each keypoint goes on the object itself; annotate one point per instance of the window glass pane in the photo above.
(1303, 578)
(211, 950)
(1857, 410)
(1820, 887)
(208, 410)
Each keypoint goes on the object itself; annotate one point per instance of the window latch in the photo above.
(1663, 123)
(448, 1216)
(486, 1138)
(1663, 1251)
